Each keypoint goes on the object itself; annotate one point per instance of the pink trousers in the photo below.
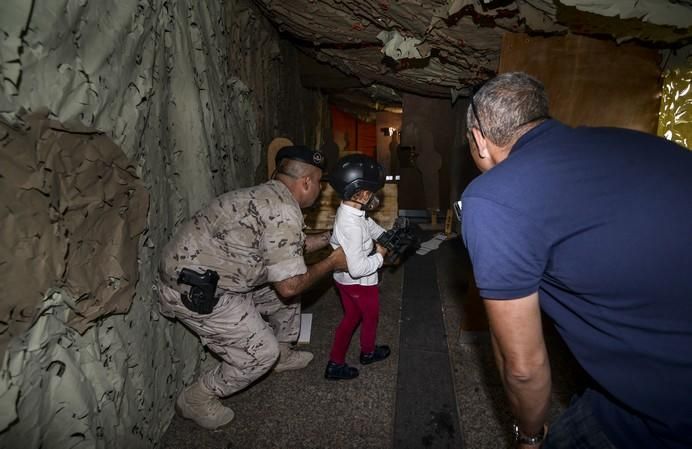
(361, 305)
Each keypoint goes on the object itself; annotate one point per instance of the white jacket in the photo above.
(355, 233)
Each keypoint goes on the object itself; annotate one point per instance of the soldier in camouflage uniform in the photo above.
(253, 238)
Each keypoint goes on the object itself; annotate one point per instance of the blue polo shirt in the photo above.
(598, 221)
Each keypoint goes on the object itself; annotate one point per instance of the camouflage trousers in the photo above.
(244, 330)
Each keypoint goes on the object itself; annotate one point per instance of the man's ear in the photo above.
(481, 143)
(306, 183)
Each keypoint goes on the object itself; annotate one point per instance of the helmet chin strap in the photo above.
(372, 203)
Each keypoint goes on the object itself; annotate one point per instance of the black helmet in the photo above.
(356, 172)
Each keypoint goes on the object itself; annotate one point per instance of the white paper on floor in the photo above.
(305, 328)
(433, 243)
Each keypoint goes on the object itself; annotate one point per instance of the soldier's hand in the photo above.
(338, 259)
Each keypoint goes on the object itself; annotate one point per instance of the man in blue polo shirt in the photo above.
(594, 227)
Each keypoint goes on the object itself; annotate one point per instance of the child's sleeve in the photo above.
(359, 262)
(374, 229)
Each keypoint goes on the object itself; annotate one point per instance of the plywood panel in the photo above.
(321, 216)
(274, 147)
(590, 81)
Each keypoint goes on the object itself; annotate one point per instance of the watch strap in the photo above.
(530, 440)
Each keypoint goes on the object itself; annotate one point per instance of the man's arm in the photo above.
(297, 284)
(313, 242)
(522, 358)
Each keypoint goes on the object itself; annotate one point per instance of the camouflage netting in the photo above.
(73, 213)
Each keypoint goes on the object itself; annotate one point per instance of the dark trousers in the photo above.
(576, 428)
(361, 304)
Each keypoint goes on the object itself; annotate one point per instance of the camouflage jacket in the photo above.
(249, 236)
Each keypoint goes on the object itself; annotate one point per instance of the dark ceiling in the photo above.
(440, 48)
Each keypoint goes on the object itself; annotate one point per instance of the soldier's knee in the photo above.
(268, 354)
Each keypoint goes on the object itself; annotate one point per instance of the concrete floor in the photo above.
(485, 419)
(302, 410)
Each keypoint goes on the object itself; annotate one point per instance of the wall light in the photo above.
(388, 131)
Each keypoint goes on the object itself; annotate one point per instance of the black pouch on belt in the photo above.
(201, 298)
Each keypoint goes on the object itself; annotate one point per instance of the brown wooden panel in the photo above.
(590, 81)
(274, 147)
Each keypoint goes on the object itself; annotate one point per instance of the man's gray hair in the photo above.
(505, 104)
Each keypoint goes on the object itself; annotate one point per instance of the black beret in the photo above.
(301, 153)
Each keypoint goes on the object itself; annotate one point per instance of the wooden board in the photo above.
(590, 81)
(274, 148)
(321, 216)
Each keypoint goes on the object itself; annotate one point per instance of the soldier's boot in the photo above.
(203, 407)
(290, 359)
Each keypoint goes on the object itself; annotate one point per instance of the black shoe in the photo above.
(380, 353)
(335, 371)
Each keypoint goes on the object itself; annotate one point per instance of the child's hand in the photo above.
(381, 249)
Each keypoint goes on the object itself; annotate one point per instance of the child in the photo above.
(356, 178)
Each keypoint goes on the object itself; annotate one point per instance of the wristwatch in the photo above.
(530, 440)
